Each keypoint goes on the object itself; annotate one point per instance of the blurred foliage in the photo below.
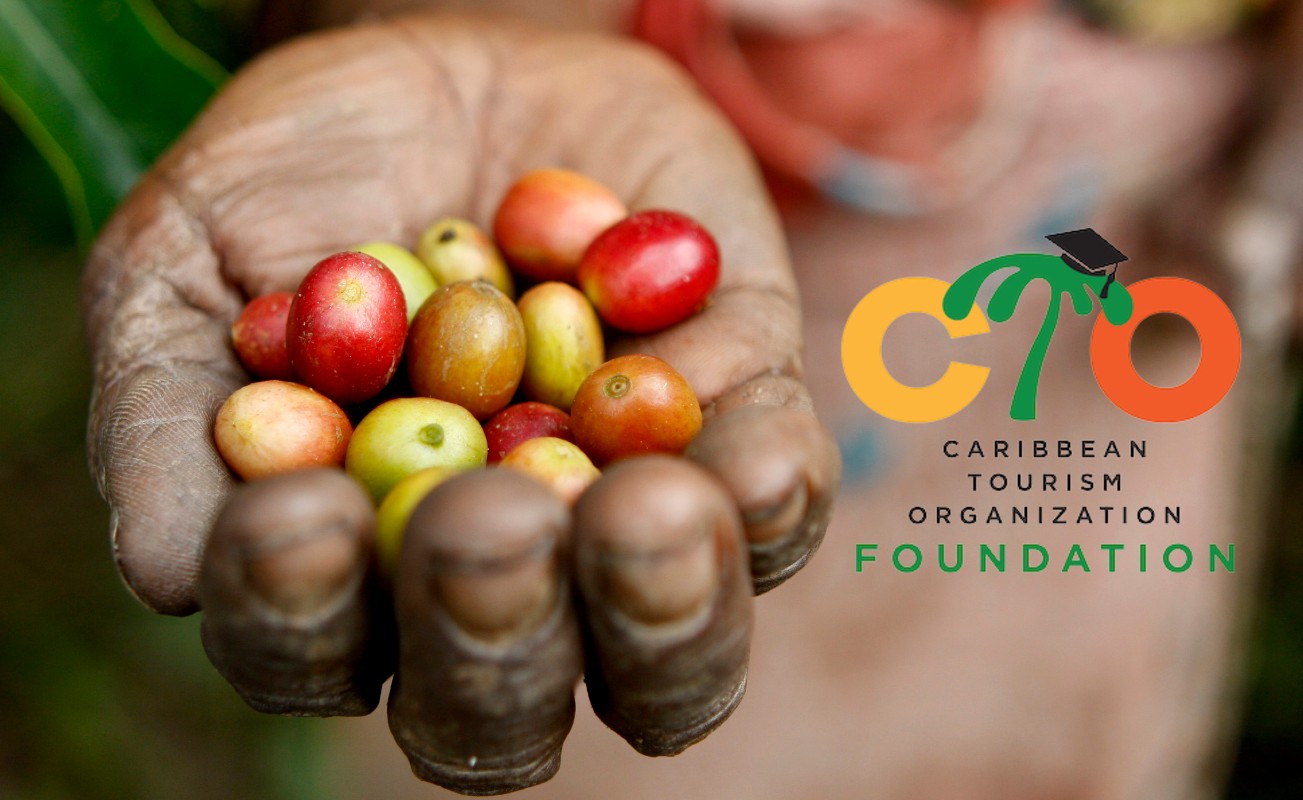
(217, 27)
(101, 88)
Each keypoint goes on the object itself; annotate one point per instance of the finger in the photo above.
(293, 618)
(490, 651)
(782, 469)
(164, 483)
(153, 300)
(666, 597)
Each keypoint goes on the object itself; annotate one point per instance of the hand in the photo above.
(373, 133)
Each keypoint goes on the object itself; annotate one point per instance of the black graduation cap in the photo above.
(1088, 252)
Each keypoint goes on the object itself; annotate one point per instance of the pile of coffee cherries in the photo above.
(443, 369)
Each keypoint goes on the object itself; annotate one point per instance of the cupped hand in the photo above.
(504, 596)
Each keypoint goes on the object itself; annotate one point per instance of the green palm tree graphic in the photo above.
(1062, 279)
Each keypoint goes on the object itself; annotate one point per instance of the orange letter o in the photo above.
(1219, 337)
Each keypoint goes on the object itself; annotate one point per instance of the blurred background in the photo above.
(98, 697)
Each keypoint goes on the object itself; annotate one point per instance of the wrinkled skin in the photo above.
(370, 134)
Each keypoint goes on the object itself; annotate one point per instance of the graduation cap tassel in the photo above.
(1103, 293)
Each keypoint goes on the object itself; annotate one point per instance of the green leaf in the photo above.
(101, 87)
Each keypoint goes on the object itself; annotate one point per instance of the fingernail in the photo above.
(501, 597)
(775, 521)
(665, 584)
(299, 574)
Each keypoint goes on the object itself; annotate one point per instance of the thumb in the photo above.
(155, 310)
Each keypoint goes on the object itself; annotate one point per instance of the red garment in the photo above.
(880, 97)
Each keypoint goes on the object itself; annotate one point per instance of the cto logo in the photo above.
(1085, 273)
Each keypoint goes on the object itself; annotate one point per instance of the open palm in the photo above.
(372, 133)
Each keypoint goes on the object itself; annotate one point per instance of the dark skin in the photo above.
(505, 596)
